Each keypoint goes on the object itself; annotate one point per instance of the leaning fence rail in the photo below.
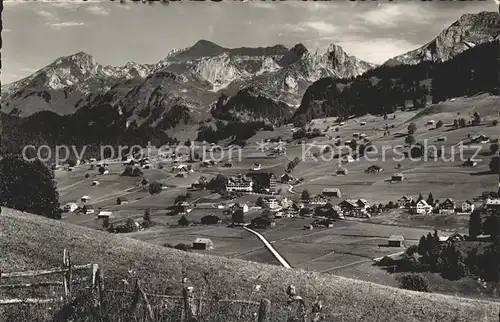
(66, 270)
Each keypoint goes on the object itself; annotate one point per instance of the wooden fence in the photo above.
(191, 307)
(67, 270)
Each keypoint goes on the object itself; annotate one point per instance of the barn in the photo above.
(203, 244)
(396, 241)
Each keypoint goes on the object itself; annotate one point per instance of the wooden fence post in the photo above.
(293, 298)
(187, 296)
(69, 275)
(264, 310)
(145, 300)
(65, 279)
(100, 293)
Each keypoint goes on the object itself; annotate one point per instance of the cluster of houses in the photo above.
(448, 206)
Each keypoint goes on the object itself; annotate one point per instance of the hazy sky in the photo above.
(37, 33)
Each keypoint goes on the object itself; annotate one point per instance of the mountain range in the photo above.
(207, 81)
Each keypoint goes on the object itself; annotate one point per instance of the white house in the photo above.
(318, 200)
(106, 172)
(85, 198)
(70, 206)
(467, 206)
(95, 183)
(240, 183)
(256, 167)
(105, 214)
(271, 203)
(423, 208)
(285, 203)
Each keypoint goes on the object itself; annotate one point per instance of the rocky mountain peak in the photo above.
(468, 31)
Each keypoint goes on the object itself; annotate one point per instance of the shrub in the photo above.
(71, 162)
(495, 122)
(413, 282)
(183, 221)
(494, 148)
(128, 171)
(155, 187)
(386, 261)
(28, 186)
(439, 124)
(87, 175)
(101, 170)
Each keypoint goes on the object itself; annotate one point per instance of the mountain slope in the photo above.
(60, 85)
(468, 31)
(35, 242)
(384, 89)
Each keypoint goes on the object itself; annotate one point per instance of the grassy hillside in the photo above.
(34, 242)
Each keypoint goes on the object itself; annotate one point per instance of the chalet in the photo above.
(203, 244)
(332, 192)
(355, 135)
(441, 139)
(396, 241)
(348, 159)
(237, 206)
(85, 199)
(374, 169)
(447, 206)
(183, 207)
(306, 212)
(239, 184)
(105, 214)
(121, 201)
(286, 203)
(431, 122)
(70, 206)
(88, 209)
(362, 204)
(95, 183)
(291, 211)
(271, 204)
(423, 208)
(362, 123)
(256, 167)
(228, 165)
(318, 200)
(342, 171)
(467, 206)
(70, 169)
(105, 172)
(405, 201)
(398, 177)
(262, 222)
(354, 208)
(181, 168)
(479, 138)
(181, 175)
(285, 178)
(492, 204)
(470, 163)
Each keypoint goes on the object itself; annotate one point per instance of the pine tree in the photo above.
(475, 224)
(430, 199)
(420, 198)
(422, 245)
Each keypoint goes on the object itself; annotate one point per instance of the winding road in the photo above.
(270, 248)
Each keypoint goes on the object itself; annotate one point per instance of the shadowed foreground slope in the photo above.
(32, 242)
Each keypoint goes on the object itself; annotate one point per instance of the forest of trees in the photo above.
(239, 131)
